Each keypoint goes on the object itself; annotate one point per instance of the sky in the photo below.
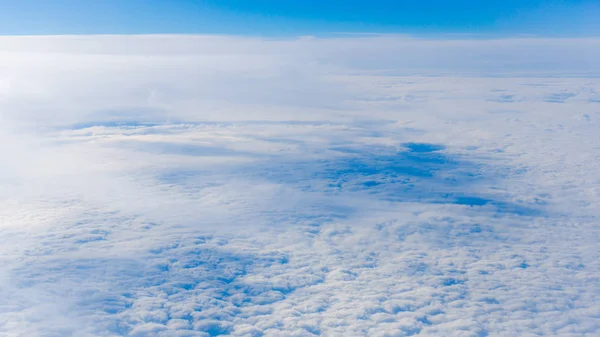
(287, 18)
(196, 169)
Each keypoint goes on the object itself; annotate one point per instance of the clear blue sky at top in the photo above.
(281, 17)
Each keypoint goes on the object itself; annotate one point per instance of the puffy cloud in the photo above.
(208, 185)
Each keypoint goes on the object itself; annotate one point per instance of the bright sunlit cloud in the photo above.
(360, 186)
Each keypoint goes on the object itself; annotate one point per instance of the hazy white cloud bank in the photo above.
(359, 186)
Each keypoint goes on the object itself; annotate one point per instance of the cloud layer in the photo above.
(357, 186)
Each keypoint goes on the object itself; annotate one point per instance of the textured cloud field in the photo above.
(358, 186)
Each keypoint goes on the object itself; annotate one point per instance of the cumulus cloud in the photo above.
(355, 186)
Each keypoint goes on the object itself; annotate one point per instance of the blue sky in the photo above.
(272, 17)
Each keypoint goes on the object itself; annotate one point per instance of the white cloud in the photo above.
(208, 185)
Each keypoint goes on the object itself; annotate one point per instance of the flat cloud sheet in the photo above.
(355, 186)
